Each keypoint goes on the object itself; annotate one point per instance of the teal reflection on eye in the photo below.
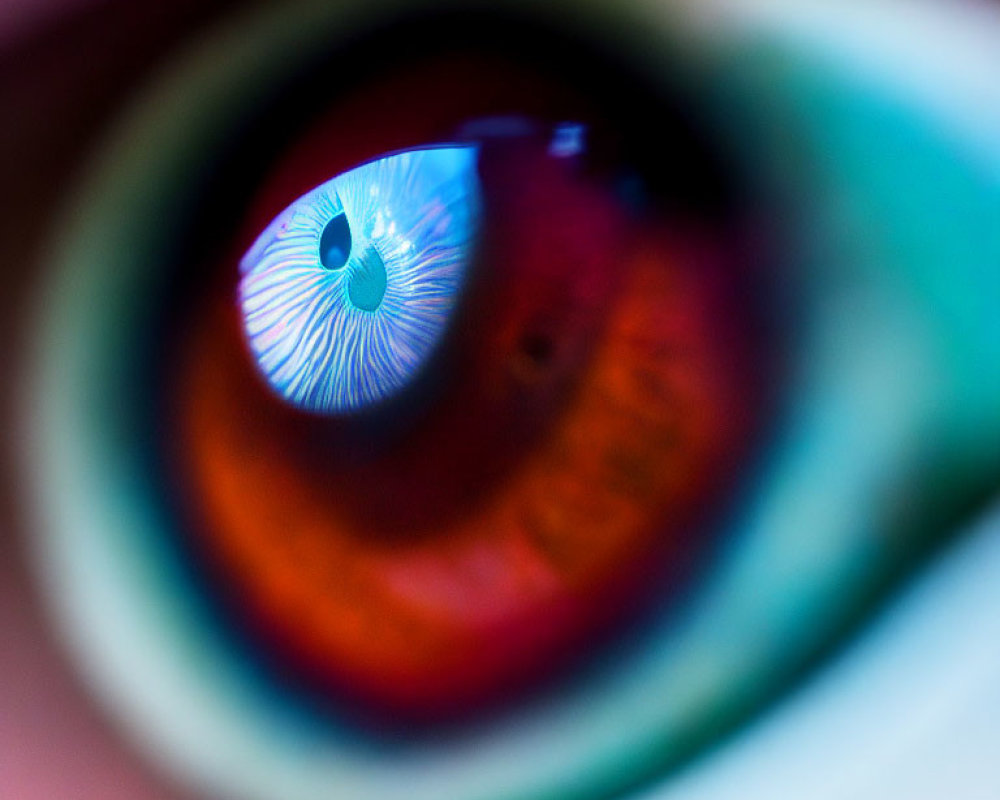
(346, 294)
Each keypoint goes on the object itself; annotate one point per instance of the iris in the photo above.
(347, 292)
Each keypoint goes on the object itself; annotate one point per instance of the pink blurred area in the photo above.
(53, 743)
(65, 68)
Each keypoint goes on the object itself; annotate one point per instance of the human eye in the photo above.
(793, 347)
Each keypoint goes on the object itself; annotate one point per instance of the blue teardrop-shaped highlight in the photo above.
(349, 290)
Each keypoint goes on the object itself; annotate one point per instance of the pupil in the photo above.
(335, 243)
(537, 348)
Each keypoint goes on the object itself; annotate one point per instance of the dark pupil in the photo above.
(335, 243)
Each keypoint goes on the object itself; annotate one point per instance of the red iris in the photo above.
(552, 472)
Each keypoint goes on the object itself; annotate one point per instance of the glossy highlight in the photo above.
(346, 294)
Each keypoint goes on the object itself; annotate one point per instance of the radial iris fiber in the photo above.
(338, 340)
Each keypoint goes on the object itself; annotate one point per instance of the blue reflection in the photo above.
(348, 291)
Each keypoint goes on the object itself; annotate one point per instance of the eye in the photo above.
(522, 462)
(347, 293)
(231, 533)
